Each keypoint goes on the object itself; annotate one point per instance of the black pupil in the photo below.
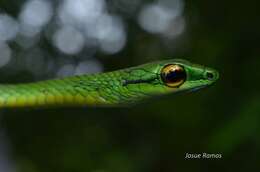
(175, 76)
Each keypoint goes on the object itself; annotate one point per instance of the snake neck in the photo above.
(106, 89)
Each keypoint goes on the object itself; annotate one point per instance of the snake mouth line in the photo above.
(198, 88)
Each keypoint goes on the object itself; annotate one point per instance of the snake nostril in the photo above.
(209, 75)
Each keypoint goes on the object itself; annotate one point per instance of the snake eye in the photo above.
(173, 75)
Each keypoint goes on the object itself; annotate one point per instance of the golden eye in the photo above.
(173, 75)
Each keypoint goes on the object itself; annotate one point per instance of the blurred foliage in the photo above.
(154, 136)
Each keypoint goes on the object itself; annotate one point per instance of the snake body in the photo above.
(115, 88)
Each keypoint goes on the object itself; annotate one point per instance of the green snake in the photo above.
(121, 87)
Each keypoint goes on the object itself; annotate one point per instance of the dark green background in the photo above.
(155, 135)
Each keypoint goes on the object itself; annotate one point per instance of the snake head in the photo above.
(169, 76)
